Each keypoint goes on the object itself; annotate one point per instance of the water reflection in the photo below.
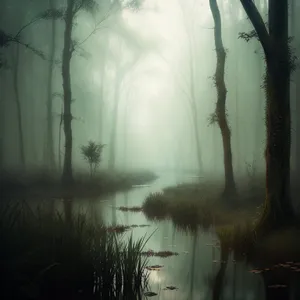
(68, 211)
(203, 269)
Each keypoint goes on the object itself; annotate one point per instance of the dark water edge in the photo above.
(202, 269)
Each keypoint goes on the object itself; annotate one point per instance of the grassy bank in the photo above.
(43, 184)
(193, 205)
(43, 256)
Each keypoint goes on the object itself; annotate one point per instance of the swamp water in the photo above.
(190, 274)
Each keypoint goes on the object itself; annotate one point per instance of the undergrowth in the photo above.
(44, 256)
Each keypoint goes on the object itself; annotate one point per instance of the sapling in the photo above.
(92, 153)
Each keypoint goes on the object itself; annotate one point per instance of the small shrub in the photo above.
(92, 154)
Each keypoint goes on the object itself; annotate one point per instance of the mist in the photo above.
(150, 140)
(163, 55)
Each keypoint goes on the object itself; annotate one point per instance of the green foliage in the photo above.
(247, 36)
(5, 39)
(212, 119)
(52, 14)
(92, 154)
(89, 6)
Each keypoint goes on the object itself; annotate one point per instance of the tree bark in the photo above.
(298, 120)
(197, 137)
(2, 117)
(18, 104)
(258, 136)
(67, 175)
(230, 187)
(59, 138)
(278, 208)
(295, 35)
(113, 137)
(50, 143)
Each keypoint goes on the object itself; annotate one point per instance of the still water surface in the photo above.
(194, 269)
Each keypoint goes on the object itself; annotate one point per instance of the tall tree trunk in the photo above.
(59, 137)
(190, 32)
(3, 6)
(298, 120)
(2, 117)
(295, 34)
(67, 175)
(197, 137)
(258, 153)
(50, 143)
(113, 137)
(234, 15)
(16, 65)
(230, 188)
(278, 208)
(102, 93)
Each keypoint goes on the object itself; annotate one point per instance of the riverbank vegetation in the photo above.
(201, 204)
(43, 255)
(42, 184)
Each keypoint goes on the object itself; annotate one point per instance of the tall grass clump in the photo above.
(43, 256)
(155, 206)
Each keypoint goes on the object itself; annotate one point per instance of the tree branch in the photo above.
(97, 27)
(258, 24)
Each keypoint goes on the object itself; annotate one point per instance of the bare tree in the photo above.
(49, 137)
(296, 89)
(121, 72)
(15, 73)
(69, 15)
(191, 81)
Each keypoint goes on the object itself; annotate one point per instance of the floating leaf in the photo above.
(150, 294)
(159, 253)
(154, 268)
(171, 288)
(131, 209)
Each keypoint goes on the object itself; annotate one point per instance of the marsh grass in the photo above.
(275, 249)
(42, 255)
(41, 183)
(130, 209)
(190, 206)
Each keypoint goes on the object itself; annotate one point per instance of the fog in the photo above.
(138, 132)
(141, 81)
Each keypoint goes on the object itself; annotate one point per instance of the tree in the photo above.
(188, 83)
(15, 73)
(296, 89)
(92, 154)
(121, 72)
(14, 41)
(69, 15)
(275, 43)
(220, 114)
(49, 141)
